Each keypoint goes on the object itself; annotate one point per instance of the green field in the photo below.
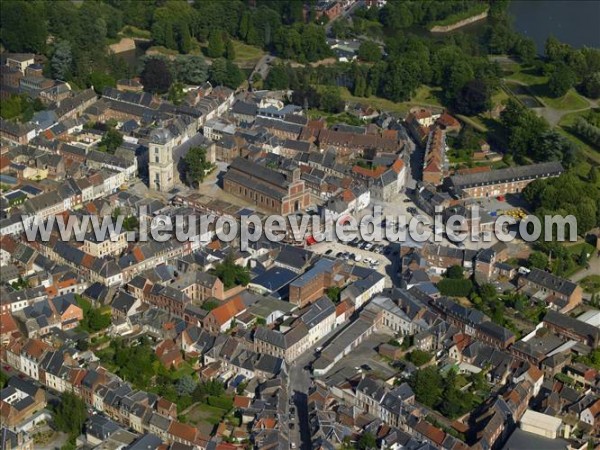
(571, 100)
(425, 96)
(246, 55)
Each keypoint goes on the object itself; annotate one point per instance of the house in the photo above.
(591, 415)
(20, 400)
(220, 319)
(559, 293)
(503, 181)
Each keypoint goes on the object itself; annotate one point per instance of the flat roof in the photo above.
(537, 419)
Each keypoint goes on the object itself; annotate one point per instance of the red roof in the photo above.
(228, 310)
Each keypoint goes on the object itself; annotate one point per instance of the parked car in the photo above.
(328, 252)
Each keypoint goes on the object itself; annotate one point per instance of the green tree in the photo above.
(278, 78)
(591, 85)
(23, 26)
(101, 80)
(231, 274)
(111, 140)
(537, 260)
(419, 357)
(593, 175)
(216, 46)
(331, 100)
(474, 98)
(427, 385)
(184, 40)
(561, 80)
(176, 93)
(71, 414)
(369, 51)
(230, 50)
(196, 165)
(455, 272)
(367, 441)
(62, 60)
(191, 69)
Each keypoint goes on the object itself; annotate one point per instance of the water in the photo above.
(575, 22)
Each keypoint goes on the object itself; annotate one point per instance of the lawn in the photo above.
(591, 284)
(246, 55)
(526, 75)
(571, 100)
(575, 249)
(203, 412)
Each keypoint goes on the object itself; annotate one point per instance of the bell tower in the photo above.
(160, 161)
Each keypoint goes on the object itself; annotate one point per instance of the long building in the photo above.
(504, 181)
(268, 189)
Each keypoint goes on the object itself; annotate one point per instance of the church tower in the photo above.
(160, 160)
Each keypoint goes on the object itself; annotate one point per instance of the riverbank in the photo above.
(458, 21)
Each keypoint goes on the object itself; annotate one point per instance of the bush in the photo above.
(455, 288)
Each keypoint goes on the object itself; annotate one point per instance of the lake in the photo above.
(575, 22)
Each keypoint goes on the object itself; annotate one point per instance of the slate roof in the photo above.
(506, 175)
(551, 282)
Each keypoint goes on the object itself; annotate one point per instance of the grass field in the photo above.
(564, 128)
(203, 412)
(246, 55)
(571, 100)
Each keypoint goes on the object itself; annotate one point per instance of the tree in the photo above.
(524, 49)
(537, 260)
(278, 78)
(474, 98)
(230, 50)
(561, 80)
(593, 175)
(367, 441)
(427, 385)
(100, 80)
(455, 272)
(369, 51)
(196, 165)
(62, 60)
(23, 26)
(111, 140)
(191, 69)
(185, 385)
(419, 357)
(176, 93)
(591, 85)
(331, 100)
(70, 414)
(333, 292)
(231, 274)
(184, 38)
(216, 47)
(156, 76)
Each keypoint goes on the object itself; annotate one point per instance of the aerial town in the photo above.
(137, 111)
